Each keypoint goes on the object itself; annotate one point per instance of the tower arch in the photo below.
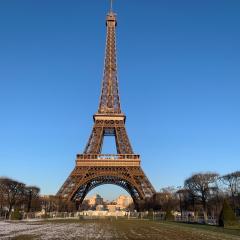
(92, 183)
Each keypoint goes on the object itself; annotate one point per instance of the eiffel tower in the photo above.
(93, 168)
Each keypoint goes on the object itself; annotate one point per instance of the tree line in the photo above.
(202, 193)
(205, 194)
(17, 195)
(17, 199)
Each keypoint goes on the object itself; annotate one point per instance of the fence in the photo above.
(200, 220)
(150, 215)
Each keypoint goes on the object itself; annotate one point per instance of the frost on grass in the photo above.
(124, 230)
(49, 231)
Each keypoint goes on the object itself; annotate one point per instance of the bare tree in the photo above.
(232, 180)
(49, 203)
(202, 186)
(31, 194)
(2, 203)
(165, 199)
(183, 196)
(12, 192)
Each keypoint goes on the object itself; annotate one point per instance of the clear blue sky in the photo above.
(179, 74)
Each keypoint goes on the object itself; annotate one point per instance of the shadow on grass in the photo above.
(24, 237)
(233, 230)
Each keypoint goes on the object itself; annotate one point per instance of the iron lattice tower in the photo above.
(93, 168)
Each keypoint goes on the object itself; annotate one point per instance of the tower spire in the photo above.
(111, 5)
(109, 100)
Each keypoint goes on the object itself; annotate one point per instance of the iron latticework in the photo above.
(93, 168)
(109, 101)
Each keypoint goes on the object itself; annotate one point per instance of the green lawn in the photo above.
(124, 229)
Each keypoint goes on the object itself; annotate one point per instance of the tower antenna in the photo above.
(111, 5)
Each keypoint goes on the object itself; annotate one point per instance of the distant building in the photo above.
(123, 201)
(112, 207)
(100, 208)
(95, 200)
(97, 203)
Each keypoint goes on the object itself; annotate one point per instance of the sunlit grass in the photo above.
(112, 228)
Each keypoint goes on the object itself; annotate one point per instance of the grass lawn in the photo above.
(114, 229)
